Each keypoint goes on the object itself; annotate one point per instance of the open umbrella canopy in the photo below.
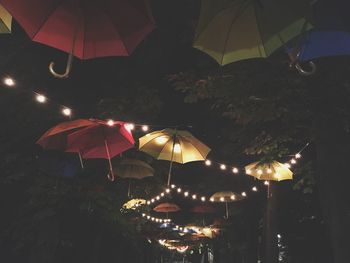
(233, 30)
(96, 28)
(56, 137)
(173, 145)
(132, 168)
(134, 203)
(5, 20)
(167, 208)
(101, 140)
(274, 171)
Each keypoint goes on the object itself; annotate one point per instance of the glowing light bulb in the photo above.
(266, 183)
(152, 200)
(207, 162)
(162, 194)
(298, 156)
(185, 230)
(180, 228)
(157, 220)
(254, 189)
(167, 190)
(173, 186)
(233, 197)
(145, 128)
(9, 82)
(179, 190)
(158, 197)
(212, 199)
(260, 172)
(148, 217)
(143, 214)
(148, 202)
(110, 122)
(279, 236)
(244, 194)
(293, 161)
(203, 198)
(222, 166)
(161, 220)
(287, 165)
(152, 218)
(222, 199)
(177, 148)
(235, 170)
(130, 126)
(269, 171)
(186, 194)
(40, 98)
(248, 171)
(66, 111)
(194, 196)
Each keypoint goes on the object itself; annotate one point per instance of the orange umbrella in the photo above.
(56, 137)
(167, 208)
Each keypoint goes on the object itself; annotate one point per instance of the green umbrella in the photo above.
(5, 20)
(233, 30)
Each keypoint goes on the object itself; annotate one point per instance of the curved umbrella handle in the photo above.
(68, 68)
(304, 72)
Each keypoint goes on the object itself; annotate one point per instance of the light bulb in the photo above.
(244, 194)
(248, 171)
(233, 197)
(148, 217)
(293, 161)
(9, 82)
(194, 196)
(173, 186)
(207, 162)
(40, 98)
(235, 170)
(222, 167)
(148, 202)
(143, 214)
(158, 197)
(269, 171)
(152, 200)
(254, 189)
(162, 194)
(179, 190)
(110, 122)
(167, 190)
(266, 183)
(130, 126)
(145, 128)
(222, 199)
(203, 198)
(298, 156)
(212, 199)
(186, 194)
(66, 111)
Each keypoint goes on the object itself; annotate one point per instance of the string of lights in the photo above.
(202, 198)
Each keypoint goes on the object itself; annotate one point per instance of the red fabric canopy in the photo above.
(100, 27)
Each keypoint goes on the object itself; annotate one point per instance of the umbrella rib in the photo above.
(260, 35)
(234, 19)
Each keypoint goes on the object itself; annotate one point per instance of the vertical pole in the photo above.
(226, 206)
(129, 188)
(81, 160)
(111, 176)
(171, 159)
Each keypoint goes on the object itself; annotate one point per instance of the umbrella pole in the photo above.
(129, 188)
(171, 161)
(226, 206)
(111, 175)
(81, 160)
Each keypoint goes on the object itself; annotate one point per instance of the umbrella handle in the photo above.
(294, 62)
(67, 71)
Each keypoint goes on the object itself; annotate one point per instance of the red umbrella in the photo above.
(85, 29)
(101, 140)
(167, 208)
(56, 137)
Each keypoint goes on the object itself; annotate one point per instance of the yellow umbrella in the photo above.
(174, 146)
(226, 196)
(272, 171)
(5, 20)
(134, 203)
